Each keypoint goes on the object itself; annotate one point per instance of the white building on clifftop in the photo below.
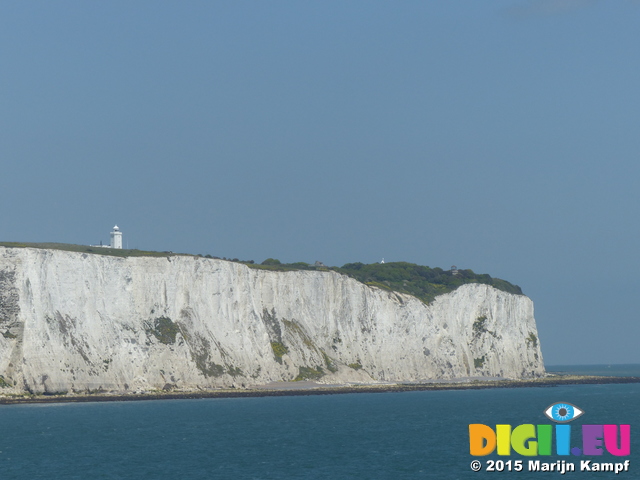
(116, 238)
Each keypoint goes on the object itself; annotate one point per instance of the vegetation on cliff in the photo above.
(420, 281)
(68, 247)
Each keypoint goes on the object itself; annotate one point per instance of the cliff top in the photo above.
(422, 282)
(68, 247)
(419, 281)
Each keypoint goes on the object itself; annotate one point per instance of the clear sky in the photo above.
(500, 136)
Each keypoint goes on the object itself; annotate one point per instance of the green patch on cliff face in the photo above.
(208, 369)
(308, 373)
(3, 382)
(296, 335)
(201, 357)
(274, 331)
(279, 350)
(478, 362)
(328, 361)
(235, 371)
(68, 328)
(297, 329)
(355, 366)
(532, 340)
(8, 334)
(201, 350)
(480, 325)
(106, 363)
(164, 329)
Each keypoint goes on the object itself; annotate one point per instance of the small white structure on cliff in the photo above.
(116, 238)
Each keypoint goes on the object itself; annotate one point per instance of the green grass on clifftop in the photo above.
(68, 247)
(422, 282)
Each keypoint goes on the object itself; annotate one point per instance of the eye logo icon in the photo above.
(563, 412)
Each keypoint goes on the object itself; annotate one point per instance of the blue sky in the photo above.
(499, 136)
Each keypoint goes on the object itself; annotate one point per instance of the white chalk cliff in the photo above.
(76, 322)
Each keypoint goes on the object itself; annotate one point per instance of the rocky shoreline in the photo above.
(287, 390)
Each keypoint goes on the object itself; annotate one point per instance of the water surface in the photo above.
(364, 436)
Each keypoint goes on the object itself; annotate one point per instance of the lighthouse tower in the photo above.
(116, 238)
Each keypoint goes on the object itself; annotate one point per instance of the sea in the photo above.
(406, 435)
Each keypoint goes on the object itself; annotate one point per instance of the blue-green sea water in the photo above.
(364, 436)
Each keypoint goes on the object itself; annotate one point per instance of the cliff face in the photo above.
(72, 321)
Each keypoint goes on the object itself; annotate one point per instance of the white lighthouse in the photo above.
(116, 238)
